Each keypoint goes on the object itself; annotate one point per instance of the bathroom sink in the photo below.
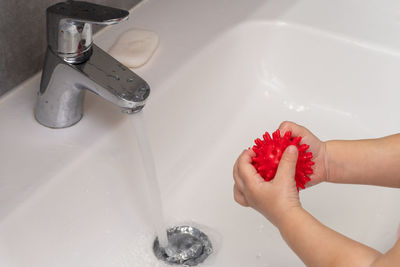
(76, 196)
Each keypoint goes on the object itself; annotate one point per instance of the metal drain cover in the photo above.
(186, 246)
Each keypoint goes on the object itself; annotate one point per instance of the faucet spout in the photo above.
(67, 76)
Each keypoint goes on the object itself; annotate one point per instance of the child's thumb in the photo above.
(287, 165)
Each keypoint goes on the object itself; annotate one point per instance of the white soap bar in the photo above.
(135, 47)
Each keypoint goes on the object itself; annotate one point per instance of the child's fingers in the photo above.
(246, 171)
(236, 177)
(297, 130)
(287, 166)
(239, 197)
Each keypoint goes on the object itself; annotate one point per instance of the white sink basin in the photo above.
(75, 197)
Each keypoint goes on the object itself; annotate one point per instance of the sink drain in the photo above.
(186, 246)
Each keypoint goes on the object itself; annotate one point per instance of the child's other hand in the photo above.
(274, 199)
(317, 147)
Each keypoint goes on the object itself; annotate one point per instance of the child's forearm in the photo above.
(372, 161)
(318, 245)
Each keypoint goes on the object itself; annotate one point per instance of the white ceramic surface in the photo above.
(225, 72)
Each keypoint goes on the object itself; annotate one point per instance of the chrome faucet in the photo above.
(73, 64)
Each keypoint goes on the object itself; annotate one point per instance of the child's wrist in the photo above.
(334, 158)
(290, 218)
(293, 223)
(328, 160)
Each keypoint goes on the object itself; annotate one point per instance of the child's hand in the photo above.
(274, 199)
(317, 147)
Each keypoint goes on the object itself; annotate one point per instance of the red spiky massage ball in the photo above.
(269, 152)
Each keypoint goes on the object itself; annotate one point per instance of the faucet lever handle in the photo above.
(79, 11)
(69, 27)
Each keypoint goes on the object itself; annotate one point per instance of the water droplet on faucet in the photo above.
(122, 67)
(115, 77)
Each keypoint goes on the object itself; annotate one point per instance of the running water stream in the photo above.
(187, 246)
(150, 181)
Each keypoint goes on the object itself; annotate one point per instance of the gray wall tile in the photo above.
(23, 37)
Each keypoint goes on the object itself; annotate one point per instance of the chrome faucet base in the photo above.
(59, 101)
